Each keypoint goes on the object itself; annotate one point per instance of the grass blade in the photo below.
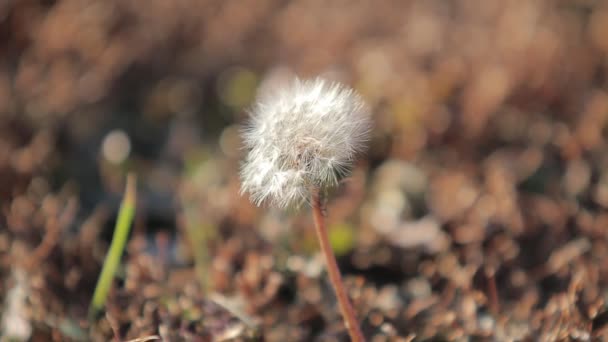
(119, 239)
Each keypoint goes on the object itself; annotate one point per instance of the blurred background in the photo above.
(479, 210)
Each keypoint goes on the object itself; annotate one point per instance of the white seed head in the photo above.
(302, 136)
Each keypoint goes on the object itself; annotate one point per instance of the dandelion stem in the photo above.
(334, 272)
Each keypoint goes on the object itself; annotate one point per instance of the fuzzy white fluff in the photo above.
(302, 136)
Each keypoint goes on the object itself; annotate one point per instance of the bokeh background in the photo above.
(479, 210)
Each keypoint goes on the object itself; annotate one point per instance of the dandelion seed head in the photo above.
(304, 135)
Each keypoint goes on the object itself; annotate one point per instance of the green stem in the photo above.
(119, 239)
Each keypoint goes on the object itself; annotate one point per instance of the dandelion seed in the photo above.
(302, 137)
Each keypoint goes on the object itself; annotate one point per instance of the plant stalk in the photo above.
(334, 272)
(119, 239)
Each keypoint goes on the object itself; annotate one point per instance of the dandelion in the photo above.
(302, 139)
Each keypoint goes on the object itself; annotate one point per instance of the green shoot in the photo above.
(119, 239)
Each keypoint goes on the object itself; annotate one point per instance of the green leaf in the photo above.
(119, 239)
